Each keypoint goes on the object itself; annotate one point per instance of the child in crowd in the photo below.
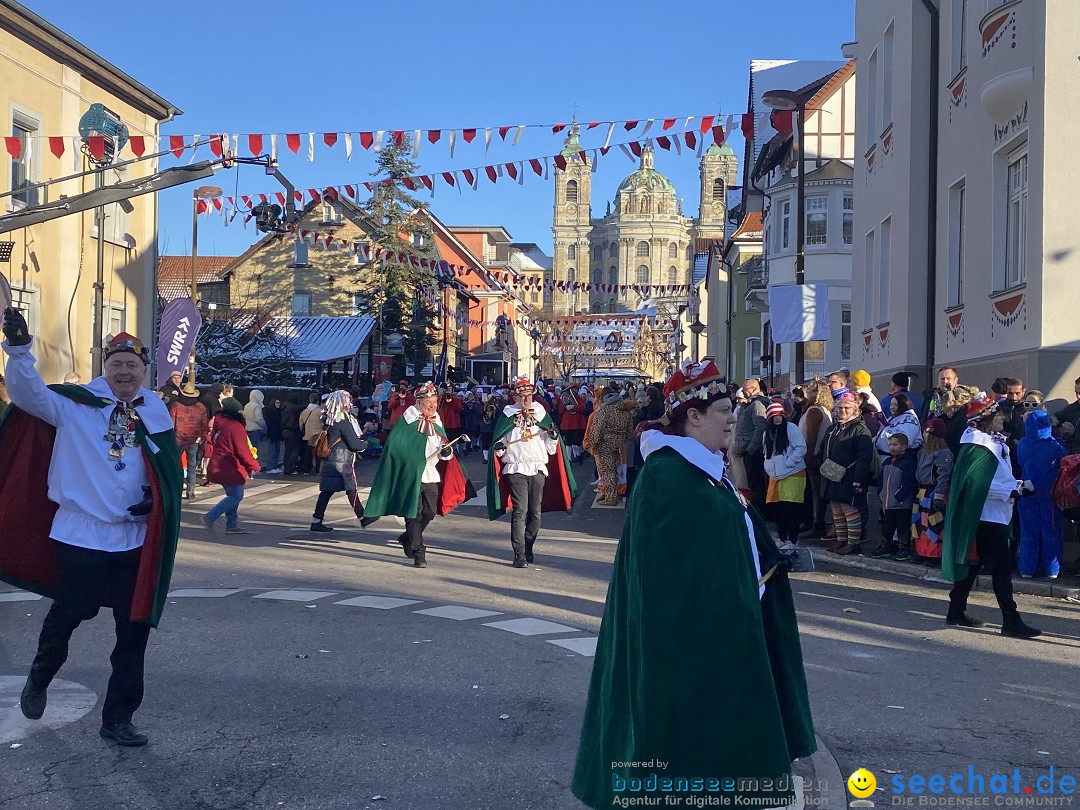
(932, 474)
(1041, 520)
(897, 493)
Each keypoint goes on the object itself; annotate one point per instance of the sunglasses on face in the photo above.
(1028, 404)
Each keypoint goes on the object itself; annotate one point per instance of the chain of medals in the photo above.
(526, 421)
(121, 434)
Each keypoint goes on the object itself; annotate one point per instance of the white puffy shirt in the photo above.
(999, 506)
(527, 457)
(92, 495)
(434, 444)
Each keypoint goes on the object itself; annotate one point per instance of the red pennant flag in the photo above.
(176, 144)
(503, 131)
(604, 150)
(217, 203)
(409, 183)
(280, 197)
(706, 123)
(215, 145)
(449, 178)
(299, 195)
(331, 193)
(593, 125)
(536, 167)
(246, 200)
(426, 180)
(555, 130)
(315, 196)
(14, 146)
(433, 135)
(635, 147)
(718, 134)
(329, 138)
(781, 121)
(255, 144)
(668, 124)
(95, 143)
(468, 135)
(367, 186)
(138, 145)
(399, 136)
(469, 177)
(351, 191)
(747, 125)
(511, 170)
(691, 139)
(664, 142)
(367, 139)
(560, 162)
(490, 171)
(631, 125)
(56, 146)
(293, 142)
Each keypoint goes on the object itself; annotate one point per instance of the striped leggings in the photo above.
(847, 521)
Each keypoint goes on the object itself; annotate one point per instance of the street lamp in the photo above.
(697, 327)
(201, 193)
(789, 100)
(535, 335)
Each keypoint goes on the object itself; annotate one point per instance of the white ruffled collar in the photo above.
(152, 412)
(710, 463)
(538, 411)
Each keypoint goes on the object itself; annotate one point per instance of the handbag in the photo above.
(322, 446)
(832, 470)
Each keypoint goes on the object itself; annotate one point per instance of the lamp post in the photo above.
(535, 335)
(201, 193)
(680, 347)
(788, 100)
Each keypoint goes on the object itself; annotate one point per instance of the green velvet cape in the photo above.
(560, 485)
(692, 669)
(970, 482)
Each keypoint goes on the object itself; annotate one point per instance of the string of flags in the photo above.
(19, 147)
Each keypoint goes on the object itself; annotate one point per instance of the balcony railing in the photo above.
(757, 273)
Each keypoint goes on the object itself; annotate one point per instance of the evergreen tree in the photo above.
(401, 227)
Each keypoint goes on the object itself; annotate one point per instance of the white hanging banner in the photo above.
(799, 312)
(311, 147)
(517, 135)
(348, 146)
(416, 144)
(273, 147)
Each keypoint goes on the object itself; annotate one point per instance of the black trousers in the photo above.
(992, 545)
(292, 451)
(425, 513)
(86, 575)
(756, 478)
(893, 521)
(324, 499)
(788, 515)
(527, 494)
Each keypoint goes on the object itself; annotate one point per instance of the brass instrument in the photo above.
(448, 396)
(490, 407)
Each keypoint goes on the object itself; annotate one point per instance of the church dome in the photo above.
(722, 150)
(646, 177)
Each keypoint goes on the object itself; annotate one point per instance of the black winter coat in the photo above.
(290, 416)
(848, 444)
(339, 469)
(272, 416)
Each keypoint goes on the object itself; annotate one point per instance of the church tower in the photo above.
(571, 226)
(718, 173)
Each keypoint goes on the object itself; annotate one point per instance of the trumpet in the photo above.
(448, 396)
(489, 411)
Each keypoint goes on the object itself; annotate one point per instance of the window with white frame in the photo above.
(358, 304)
(642, 248)
(23, 168)
(959, 35)
(113, 316)
(871, 101)
(753, 357)
(868, 280)
(785, 224)
(957, 242)
(301, 303)
(817, 220)
(642, 274)
(571, 252)
(849, 218)
(1016, 220)
(300, 253)
(886, 77)
(885, 271)
(330, 215)
(845, 332)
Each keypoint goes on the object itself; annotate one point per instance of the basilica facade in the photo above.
(643, 238)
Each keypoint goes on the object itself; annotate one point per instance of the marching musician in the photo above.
(450, 407)
(572, 418)
(400, 400)
(418, 476)
(530, 470)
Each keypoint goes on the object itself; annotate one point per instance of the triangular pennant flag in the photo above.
(215, 145)
(664, 142)
(329, 138)
(453, 141)
(678, 143)
(449, 178)
(503, 131)
(201, 206)
(555, 130)
(706, 123)
(536, 166)
(487, 139)
(691, 139)
(560, 162)
(517, 135)
(416, 144)
(348, 146)
(747, 125)
(668, 124)
(629, 125)
(593, 124)
(635, 147)
(648, 126)
(409, 183)
(176, 145)
(426, 180)
(351, 191)
(255, 144)
(366, 139)
(137, 144)
(56, 146)
(433, 135)
(718, 135)
(292, 140)
(398, 136)
(468, 135)
(468, 174)
(379, 139)
(95, 143)
(14, 145)
(273, 146)
(781, 121)
(280, 197)
(314, 195)
(511, 170)
(246, 200)
(491, 173)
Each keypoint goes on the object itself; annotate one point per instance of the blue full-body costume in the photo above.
(1040, 519)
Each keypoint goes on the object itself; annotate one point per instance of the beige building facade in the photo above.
(47, 82)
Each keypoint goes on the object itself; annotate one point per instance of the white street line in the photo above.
(210, 592)
(531, 627)
(294, 596)
(306, 493)
(582, 646)
(457, 612)
(19, 596)
(378, 602)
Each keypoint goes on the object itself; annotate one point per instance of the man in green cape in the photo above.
(697, 685)
(90, 485)
(419, 476)
(529, 470)
(982, 491)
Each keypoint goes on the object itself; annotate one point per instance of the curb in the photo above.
(932, 574)
(828, 792)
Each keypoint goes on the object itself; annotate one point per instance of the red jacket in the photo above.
(398, 405)
(190, 422)
(572, 420)
(450, 413)
(227, 448)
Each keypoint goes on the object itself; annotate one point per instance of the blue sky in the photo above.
(304, 67)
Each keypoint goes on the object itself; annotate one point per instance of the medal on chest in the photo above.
(525, 421)
(121, 434)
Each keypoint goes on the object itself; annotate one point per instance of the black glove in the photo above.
(554, 433)
(142, 507)
(446, 452)
(938, 505)
(15, 329)
(498, 447)
(1026, 488)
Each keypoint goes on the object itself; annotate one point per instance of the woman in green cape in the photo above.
(698, 685)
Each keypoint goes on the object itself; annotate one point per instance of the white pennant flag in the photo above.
(311, 147)
(348, 146)
(416, 145)
(595, 158)
(76, 154)
(648, 126)
(547, 167)
(194, 149)
(487, 139)
(728, 125)
(686, 126)
(700, 144)
(521, 172)
(453, 141)
(675, 139)
(378, 140)
(517, 135)
(626, 151)
(273, 147)
(610, 130)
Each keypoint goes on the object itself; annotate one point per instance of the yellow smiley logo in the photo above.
(861, 783)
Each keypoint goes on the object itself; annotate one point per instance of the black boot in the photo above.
(419, 559)
(1013, 626)
(959, 618)
(32, 701)
(520, 561)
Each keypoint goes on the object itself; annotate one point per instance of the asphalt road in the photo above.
(257, 699)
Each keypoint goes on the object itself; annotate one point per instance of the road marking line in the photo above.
(457, 612)
(210, 592)
(19, 596)
(582, 646)
(378, 602)
(292, 497)
(294, 596)
(531, 627)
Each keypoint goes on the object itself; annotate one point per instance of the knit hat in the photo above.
(693, 383)
(232, 405)
(936, 427)
(839, 392)
(127, 343)
(774, 409)
(903, 378)
(861, 378)
(981, 407)
(1037, 424)
(845, 396)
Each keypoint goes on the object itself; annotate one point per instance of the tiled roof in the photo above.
(750, 228)
(178, 268)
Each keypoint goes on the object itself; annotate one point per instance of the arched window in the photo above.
(642, 248)
(595, 306)
(642, 274)
(611, 305)
(673, 251)
(613, 250)
(597, 276)
(613, 276)
(718, 189)
(598, 252)
(571, 252)
(571, 275)
(672, 276)
(571, 191)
